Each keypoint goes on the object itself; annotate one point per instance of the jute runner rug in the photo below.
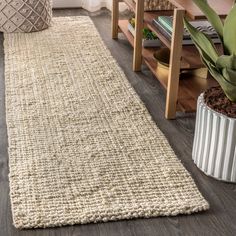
(82, 146)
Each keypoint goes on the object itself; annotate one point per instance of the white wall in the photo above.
(67, 3)
(90, 5)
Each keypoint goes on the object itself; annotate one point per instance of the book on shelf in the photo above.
(165, 25)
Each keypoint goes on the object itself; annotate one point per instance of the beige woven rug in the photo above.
(82, 146)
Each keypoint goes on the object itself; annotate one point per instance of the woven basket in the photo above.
(25, 15)
(155, 5)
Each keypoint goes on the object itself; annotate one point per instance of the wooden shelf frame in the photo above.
(181, 93)
(189, 88)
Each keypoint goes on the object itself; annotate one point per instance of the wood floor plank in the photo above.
(219, 220)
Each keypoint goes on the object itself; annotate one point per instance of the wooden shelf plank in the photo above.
(152, 65)
(123, 25)
(221, 7)
(130, 4)
(192, 10)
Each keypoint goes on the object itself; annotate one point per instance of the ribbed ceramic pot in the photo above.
(214, 149)
(25, 15)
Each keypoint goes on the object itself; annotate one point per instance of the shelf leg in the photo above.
(115, 18)
(175, 57)
(139, 14)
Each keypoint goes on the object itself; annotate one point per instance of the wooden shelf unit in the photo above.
(189, 87)
(182, 93)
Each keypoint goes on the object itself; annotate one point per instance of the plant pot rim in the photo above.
(202, 102)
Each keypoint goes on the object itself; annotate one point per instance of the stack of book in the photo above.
(165, 25)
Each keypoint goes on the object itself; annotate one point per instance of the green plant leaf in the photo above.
(212, 16)
(203, 43)
(230, 75)
(226, 61)
(222, 68)
(229, 32)
(228, 87)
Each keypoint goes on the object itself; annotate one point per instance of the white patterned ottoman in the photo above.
(25, 15)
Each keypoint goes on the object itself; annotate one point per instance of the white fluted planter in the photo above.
(214, 149)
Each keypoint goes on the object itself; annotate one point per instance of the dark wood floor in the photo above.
(219, 220)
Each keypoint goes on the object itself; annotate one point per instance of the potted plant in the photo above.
(214, 149)
(149, 38)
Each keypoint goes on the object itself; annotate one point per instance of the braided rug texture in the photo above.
(82, 146)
